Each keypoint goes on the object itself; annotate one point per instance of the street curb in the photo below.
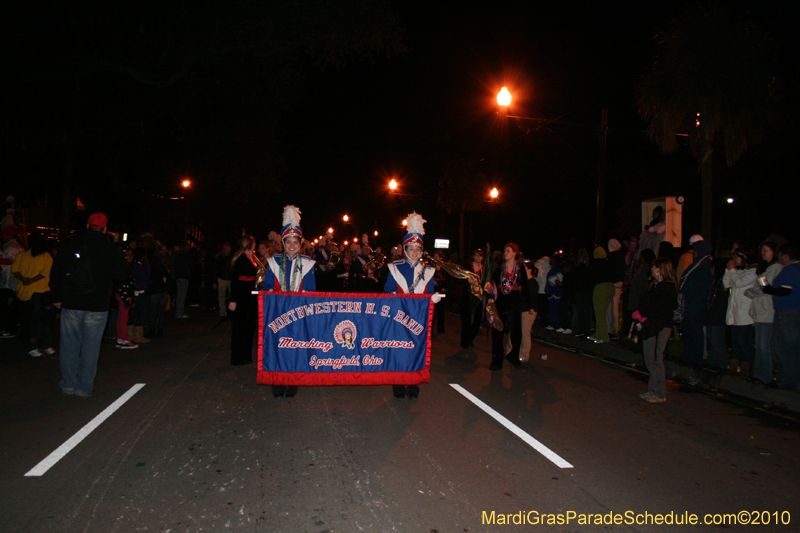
(714, 382)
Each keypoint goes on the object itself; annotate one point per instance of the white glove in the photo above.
(437, 297)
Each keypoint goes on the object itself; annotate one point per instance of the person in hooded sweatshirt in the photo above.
(695, 285)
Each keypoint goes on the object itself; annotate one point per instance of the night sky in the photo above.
(255, 131)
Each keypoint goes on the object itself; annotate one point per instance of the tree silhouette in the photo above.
(462, 188)
(713, 79)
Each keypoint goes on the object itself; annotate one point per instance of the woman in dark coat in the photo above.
(243, 304)
(655, 313)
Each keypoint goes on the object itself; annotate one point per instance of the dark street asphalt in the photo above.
(201, 447)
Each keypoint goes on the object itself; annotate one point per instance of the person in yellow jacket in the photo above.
(32, 270)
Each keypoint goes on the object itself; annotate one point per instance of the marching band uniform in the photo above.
(407, 276)
(289, 273)
(245, 317)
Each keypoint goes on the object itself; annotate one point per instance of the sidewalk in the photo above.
(717, 383)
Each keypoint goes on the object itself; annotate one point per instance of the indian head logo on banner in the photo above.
(345, 334)
(344, 339)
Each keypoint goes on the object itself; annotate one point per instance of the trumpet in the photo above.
(376, 263)
(334, 259)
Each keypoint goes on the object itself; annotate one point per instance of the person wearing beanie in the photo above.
(81, 281)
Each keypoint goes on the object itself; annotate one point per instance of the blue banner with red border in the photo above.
(327, 338)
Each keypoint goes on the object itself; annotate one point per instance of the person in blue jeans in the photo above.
(81, 281)
(785, 291)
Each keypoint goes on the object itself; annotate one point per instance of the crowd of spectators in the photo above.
(738, 315)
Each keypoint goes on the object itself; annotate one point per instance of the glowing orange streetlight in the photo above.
(345, 218)
(376, 233)
(405, 222)
(346, 243)
(355, 239)
(186, 183)
(393, 185)
(494, 193)
(504, 97)
(330, 230)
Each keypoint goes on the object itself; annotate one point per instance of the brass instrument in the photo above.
(376, 263)
(474, 286)
(261, 272)
(334, 259)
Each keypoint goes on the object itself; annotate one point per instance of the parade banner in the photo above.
(326, 338)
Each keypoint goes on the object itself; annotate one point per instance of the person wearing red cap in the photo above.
(81, 281)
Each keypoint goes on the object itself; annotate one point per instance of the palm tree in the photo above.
(714, 80)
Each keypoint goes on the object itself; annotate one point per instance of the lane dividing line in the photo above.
(505, 422)
(84, 432)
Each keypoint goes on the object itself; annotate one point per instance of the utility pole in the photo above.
(601, 179)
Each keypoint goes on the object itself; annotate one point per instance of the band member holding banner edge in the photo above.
(289, 271)
(411, 276)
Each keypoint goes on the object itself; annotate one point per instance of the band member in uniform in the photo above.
(472, 306)
(411, 276)
(289, 271)
(345, 273)
(243, 304)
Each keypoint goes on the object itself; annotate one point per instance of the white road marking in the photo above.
(84, 432)
(535, 444)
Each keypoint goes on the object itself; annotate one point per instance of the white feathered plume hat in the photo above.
(291, 223)
(416, 230)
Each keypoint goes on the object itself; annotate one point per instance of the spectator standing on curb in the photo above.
(141, 271)
(715, 320)
(32, 270)
(655, 314)
(695, 286)
(8, 283)
(603, 293)
(641, 280)
(739, 277)
(763, 314)
(83, 274)
(183, 273)
(786, 326)
(616, 260)
(123, 294)
(223, 268)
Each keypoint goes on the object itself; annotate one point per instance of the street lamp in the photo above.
(504, 97)
(376, 233)
(729, 200)
(405, 222)
(186, 183)
(393, 185)
(330, 230)
(345, 218)
(494, 193)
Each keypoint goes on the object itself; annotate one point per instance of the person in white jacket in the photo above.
(739, 277)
